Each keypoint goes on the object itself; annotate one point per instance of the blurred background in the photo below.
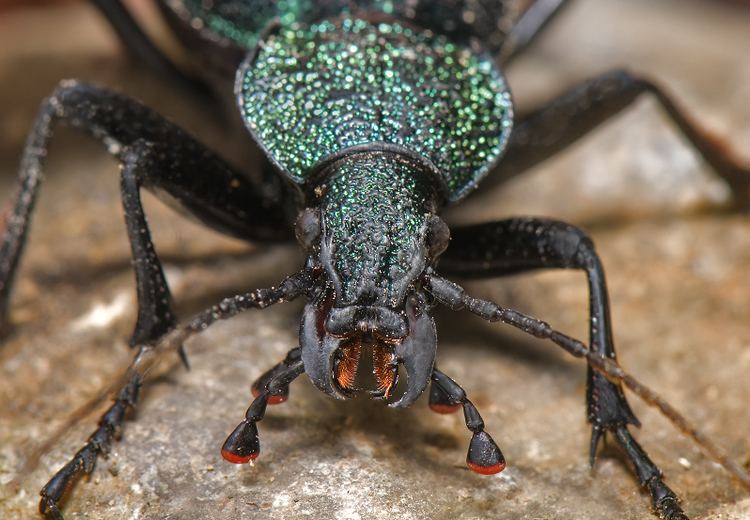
(677, 268)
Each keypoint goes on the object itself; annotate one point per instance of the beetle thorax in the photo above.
(374, 210)
(375, 216)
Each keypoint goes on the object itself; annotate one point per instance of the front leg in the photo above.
(524, 244)
(664, 500)
(110, 424)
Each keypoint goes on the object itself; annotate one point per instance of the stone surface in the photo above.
(679, 283)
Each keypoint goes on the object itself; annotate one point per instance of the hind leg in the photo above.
(564, 120)
(531, 23)
(144, 49)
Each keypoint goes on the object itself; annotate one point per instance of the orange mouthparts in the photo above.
(384, 365)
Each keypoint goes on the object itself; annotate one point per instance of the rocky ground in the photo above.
(679, 282)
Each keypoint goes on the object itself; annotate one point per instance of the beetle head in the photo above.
(372, 236)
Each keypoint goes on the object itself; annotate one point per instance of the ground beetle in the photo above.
(373, 116)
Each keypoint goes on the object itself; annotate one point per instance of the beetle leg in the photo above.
(155, 315)
(523, 244)
(484, 456)
(529, 26)
(141, 46)
(155, 154)
(663, 499)
(110, 424)
(550, 129)
(242, 445)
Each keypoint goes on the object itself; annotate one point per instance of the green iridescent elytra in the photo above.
(311, 93)
(241, 23)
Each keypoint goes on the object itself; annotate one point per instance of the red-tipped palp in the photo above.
(272, 399)
(238, 459)
(443, 408)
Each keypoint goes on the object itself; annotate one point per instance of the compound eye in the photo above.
(438, 236)
(307, 228)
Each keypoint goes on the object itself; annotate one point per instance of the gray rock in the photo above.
(679, 283)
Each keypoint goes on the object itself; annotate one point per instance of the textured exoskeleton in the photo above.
(372, 116)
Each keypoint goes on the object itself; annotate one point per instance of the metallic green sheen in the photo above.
(243, 21)
(375, 209)
(311, 93)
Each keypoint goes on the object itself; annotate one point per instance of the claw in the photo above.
(597, 433)
(183, 357)
(50, 509)
(608, 410)
(52, 493)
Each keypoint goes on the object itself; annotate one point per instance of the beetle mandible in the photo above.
(370, 278)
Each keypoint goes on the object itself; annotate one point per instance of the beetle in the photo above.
(355, 316)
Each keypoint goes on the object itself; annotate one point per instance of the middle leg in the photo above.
(144, 49)
(154, 154)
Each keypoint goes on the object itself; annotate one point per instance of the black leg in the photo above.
(243, 445)
(484, 456)
(110, 425)
(155, 316)
(558, 124)
(663, 499)
(529, 26)
(141, 46)
(523, 244)
(154, 154)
